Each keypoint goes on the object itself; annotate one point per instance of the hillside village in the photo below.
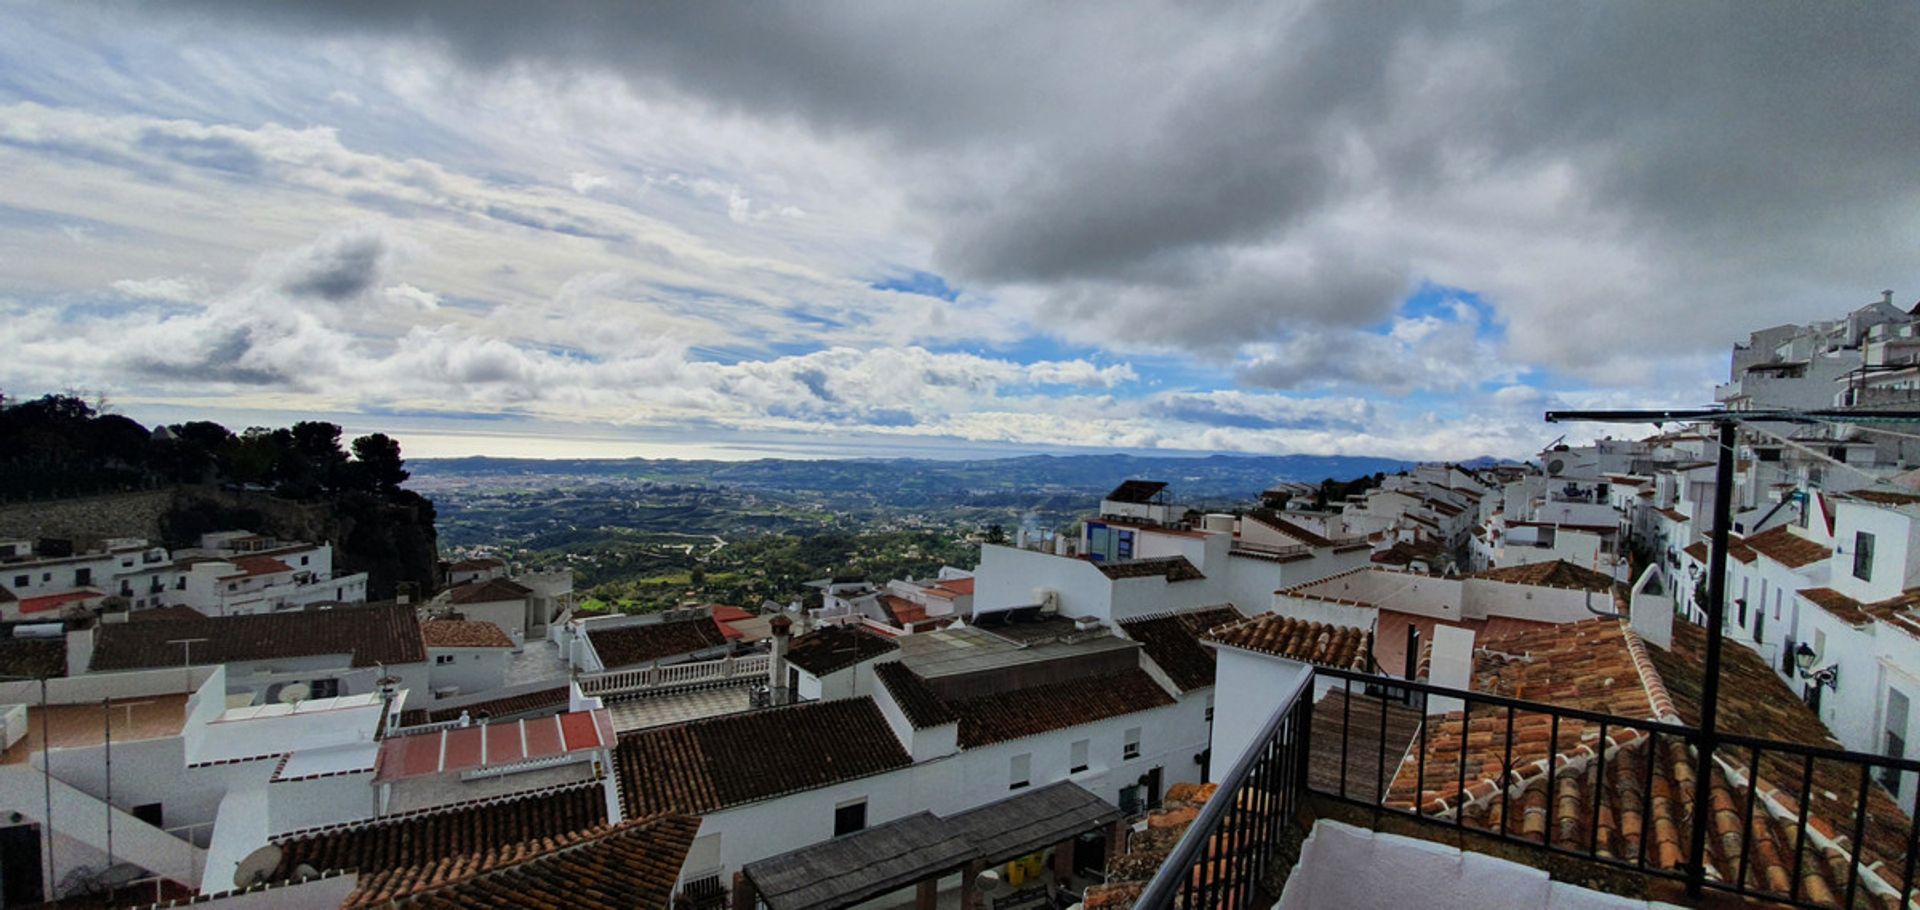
(1286, 700)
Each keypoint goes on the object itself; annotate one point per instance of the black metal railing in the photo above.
(1227, 851)
(1821, 830)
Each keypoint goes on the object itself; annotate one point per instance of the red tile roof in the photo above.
(741, 758)
(1273, 520)
(385, 634)
(640, 643)
(1555, 574)
(251, 566)
(1029, 711)
(477, 565)
(461, 633)
(923, 708)
(164, 614)
(1172, 641)
(488, 591)
(832, 648)
(50, 602)
(634, 864)
(1600, 666)
(1783, 546)
(1844, 608)
(1173, 568)
(1297, 639)
(1882, 497)
(430, 835)
(902, 611)
(955, 585)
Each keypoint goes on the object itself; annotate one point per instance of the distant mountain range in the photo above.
(1211, 477)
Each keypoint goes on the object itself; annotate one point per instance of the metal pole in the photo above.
(106, 716)
(1710, 685)
(46, 778)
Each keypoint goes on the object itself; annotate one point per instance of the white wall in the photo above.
(1895, 538)
(1247, 689)
(1345, 866)
(472, 670)
(1008, 577)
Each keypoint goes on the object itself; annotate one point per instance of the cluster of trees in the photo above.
(61, 445)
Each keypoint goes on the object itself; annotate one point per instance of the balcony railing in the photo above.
(619, 682)
(1615, 791)
(1221, 859)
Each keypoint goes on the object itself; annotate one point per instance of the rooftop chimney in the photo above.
(777, 662)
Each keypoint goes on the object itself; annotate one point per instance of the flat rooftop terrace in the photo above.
(79, 726)
(957, 652)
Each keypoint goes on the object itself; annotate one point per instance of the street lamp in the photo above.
(1804, 658)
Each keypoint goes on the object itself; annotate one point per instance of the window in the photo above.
(21, 581)
(46, 577)
(850, 817)
(1210, 698)
(323, 688)
(1896, 737)
(1077, 757)
(151, 813)
(442, 659)
(1131, 749)
(1020, 771)
(303, 560)
(1863, 556)
(180, 584)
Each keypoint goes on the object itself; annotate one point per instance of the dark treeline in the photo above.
(59, 445)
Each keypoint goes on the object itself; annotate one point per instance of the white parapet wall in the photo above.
(1345, 866)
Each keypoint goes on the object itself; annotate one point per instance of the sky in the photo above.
(577, 229)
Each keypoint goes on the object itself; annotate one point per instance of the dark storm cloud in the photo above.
(339, 268)
(1249, 168)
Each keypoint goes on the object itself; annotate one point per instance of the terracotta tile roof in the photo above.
(164, 614)
(6, 596)
(488, 591)
(513, 706)
(957, 585)
(33, 658)
(1556, 574)
(461, 633)
(1882, 497)
(1697, 550)
(1321, 643)
(1787, 548)
(1173, 642)
(431, 835)
(1674, 515)
(831, 648)
(741, 758)
(1639, 804)
(634, 864)
(1844, 608)
(250, 566)
(624, 646)
(1029, 711)
(1902, 612)
(385, 634)
(923, 708)
(902, 611)
(1273, 520)
(1174, 568)
(47, 603)
(1737, 549)
(1754, 702)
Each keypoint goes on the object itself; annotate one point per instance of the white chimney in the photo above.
(777, 662)
(1652, 610)
(1450, 667)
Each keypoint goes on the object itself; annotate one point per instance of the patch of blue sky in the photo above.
(914, 281)
(1438, 300)
(43, 221)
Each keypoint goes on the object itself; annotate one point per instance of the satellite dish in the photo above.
(1555, 466)
(257, 866)
(294, 693)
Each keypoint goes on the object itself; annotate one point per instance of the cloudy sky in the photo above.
(575, 228)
